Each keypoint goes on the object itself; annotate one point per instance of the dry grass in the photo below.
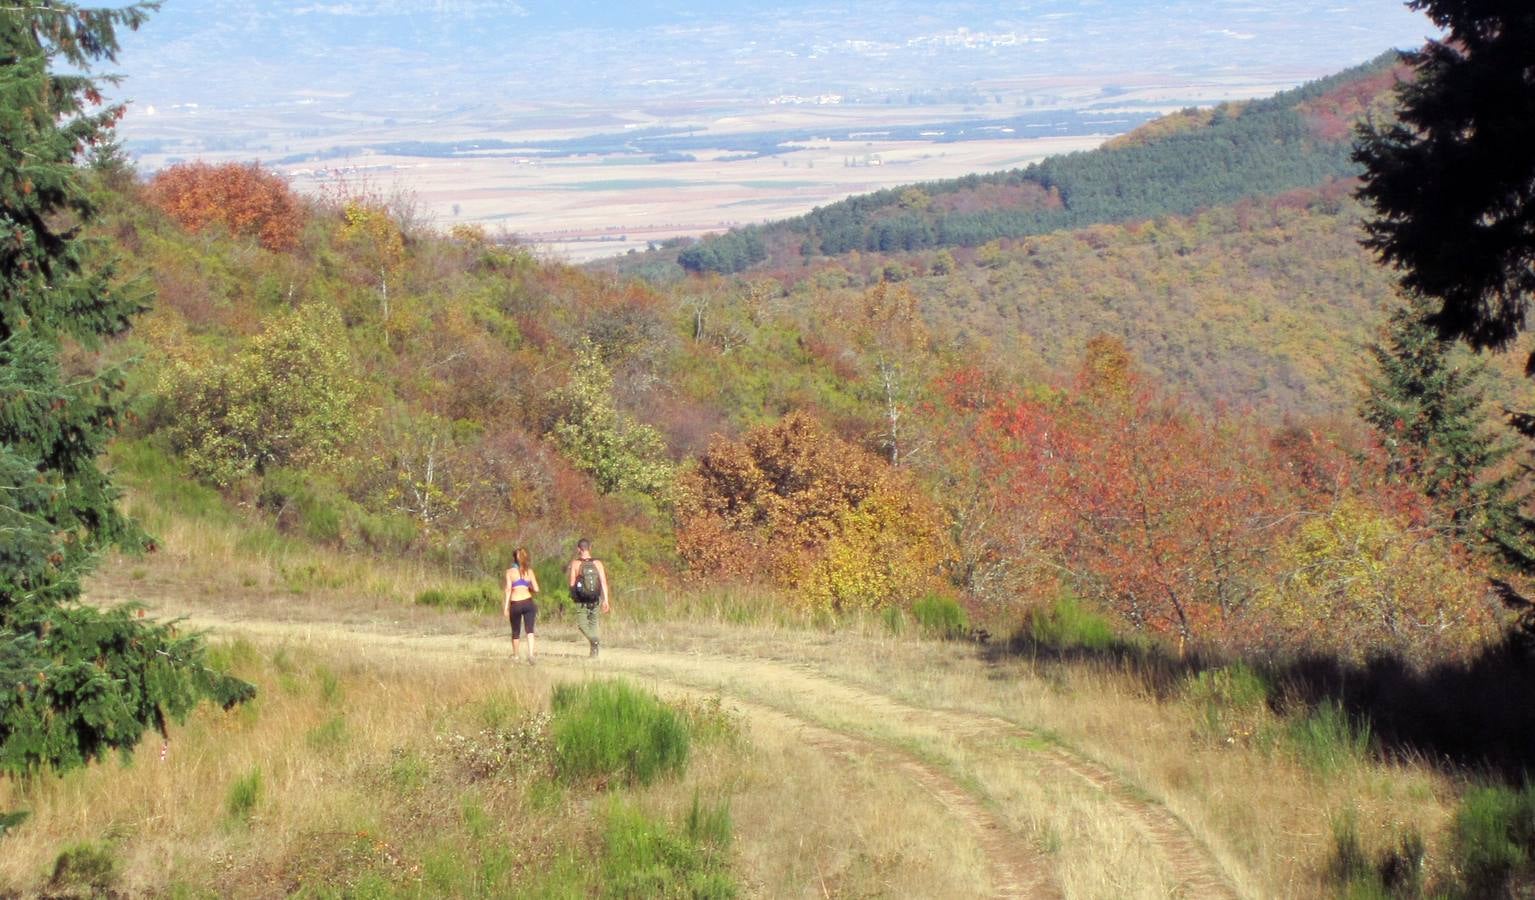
(348, 736)
(808, 820)
(244, 571)
(1265, 816)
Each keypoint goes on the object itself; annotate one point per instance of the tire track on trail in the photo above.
(1199, 874)
(824, 711)
(1016, 870)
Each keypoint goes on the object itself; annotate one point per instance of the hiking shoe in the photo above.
(531, 661)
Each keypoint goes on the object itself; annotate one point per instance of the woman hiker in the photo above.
(517, 603)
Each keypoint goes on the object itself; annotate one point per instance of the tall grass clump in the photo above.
(1492, 844)
(607, 729)
(1328, 739)
(1230, 701)
(88, 866)
(164, 481)
(1068, 625)
(941, 617)
(1389, 874)
(244, 795)
(483, 598)
(648, 858)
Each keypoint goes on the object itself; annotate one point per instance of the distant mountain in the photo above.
(1188, 161)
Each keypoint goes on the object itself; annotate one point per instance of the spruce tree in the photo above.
(1428, 409)
(1453, 179)
(75, 682)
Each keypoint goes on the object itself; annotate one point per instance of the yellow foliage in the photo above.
(1356, 582)
(889, 548)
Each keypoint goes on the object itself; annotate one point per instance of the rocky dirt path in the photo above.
(940, 750)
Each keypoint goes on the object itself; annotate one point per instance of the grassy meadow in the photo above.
(395, 750)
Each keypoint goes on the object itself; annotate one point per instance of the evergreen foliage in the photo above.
(1453, 182)
(729, 253)
(75, 683)
(1429, 413)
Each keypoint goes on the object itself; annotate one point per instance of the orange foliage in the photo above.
(245, 199)
(790, 499)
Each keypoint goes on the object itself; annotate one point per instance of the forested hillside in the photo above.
(1136, 442)
(1175, 165)
(365, 383)
(355, 379)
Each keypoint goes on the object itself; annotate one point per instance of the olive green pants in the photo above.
(586, 621)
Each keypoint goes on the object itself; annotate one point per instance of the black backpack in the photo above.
(588, 586)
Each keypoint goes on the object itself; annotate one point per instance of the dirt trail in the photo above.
(850, 722)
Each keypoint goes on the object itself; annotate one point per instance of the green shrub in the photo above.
(709, 722)
(386, 531)
(244, 795)
(328, 735)
(316, 508)
(1235, 686)
(1327, 739)
(162, 477)
(607, 729)
(710, 825)
(1230, 700)
(290, 397)
(1068, 625)
(1492, 844)
(87, 865)
(408, 769)
(939, 616)
(482, 598)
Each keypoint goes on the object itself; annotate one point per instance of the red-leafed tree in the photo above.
(244, 199)
(1205, 529)
(1138, 501)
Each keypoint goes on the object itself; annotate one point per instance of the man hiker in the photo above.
(588, 588)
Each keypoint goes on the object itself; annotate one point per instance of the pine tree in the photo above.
(75, 683)
(1429, 412)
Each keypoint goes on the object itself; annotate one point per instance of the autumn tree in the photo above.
(889, 330)
(244, 199)
(791, 504)
(1118, 493)
(75, 682)
(373, 232)
(618, 452)
(1359, 581)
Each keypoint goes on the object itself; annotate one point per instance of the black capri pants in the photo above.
(524, 613)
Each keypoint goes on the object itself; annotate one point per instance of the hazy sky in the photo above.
(381, 51)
